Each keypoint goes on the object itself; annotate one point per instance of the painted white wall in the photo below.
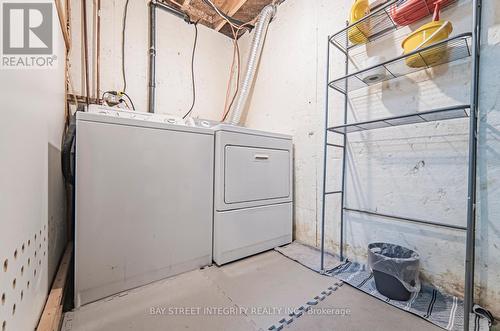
(32, 195)
(415, 171)
(174, 47)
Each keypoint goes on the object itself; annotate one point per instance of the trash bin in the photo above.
(395, 269)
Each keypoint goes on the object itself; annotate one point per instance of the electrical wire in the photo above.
(192, 68)
(229, 82)
(237, 84)
(120, 94)
(236, 60)
(124, 26)
(129, 99)
(236, 55)
(233, 22)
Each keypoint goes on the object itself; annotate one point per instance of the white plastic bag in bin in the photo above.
(400, 262)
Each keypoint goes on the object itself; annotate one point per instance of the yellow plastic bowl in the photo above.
(357, 34)
(422, 35)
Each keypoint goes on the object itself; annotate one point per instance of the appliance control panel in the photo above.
(160, 118)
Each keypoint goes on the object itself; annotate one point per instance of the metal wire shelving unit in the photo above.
(455, 48)
(378, 24)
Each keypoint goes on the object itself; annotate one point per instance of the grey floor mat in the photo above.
(443, 310)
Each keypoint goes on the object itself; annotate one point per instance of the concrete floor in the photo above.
(251, 294)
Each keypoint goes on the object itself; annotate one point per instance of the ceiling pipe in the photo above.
(265, 17)
(153, 6)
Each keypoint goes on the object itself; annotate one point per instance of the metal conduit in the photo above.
(153, 6)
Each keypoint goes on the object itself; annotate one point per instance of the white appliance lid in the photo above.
(241, 129)
(97, 113)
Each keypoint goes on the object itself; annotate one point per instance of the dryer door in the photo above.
(252, 170)
(253, 174)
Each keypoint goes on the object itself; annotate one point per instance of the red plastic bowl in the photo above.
(410, 11)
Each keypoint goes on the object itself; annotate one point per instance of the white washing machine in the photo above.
(253, 192)
(144, 200)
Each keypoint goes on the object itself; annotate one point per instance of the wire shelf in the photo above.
(446, 51)
(448, 113)
(378, 23)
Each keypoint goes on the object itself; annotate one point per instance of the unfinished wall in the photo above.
(32, 203)
(174, 43)
(425, 164)
(415, 171)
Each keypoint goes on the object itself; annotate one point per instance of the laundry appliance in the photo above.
(253, 192)
(144, 199)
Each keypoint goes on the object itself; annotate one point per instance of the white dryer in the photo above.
(253, 192)
(144, 200)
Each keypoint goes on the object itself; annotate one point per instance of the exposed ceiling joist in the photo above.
(185, 4)
(231, 7)
(193, 12)
(202, 12)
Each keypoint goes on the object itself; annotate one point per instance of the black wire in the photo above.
(124, 25)
(129, 99)
(192, 68)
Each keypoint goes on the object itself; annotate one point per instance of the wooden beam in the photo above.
(196, 14)
(52, 313)
(224, 5)
(231, 7)
(185, 4)
(193, 13)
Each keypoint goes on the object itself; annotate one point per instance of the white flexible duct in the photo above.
(265, 17)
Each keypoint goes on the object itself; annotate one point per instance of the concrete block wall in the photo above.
(415, 171)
